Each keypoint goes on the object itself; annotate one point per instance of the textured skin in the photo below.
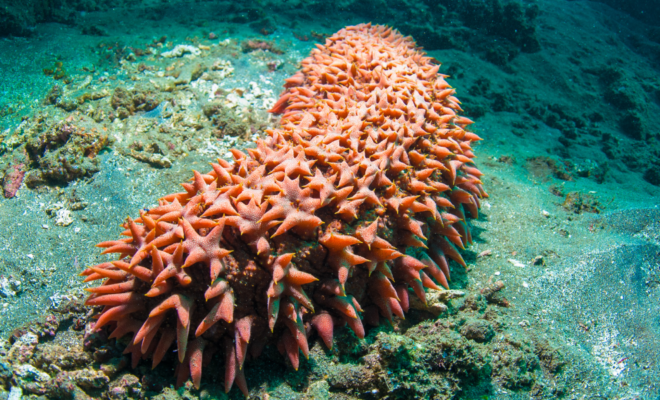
(340, 215)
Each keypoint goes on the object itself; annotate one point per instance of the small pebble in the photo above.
(485, 253)
(516, 263)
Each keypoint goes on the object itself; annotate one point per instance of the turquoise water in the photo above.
(105, 108)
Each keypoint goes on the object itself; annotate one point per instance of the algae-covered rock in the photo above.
(89, 379)
(224, 120)
(354, 377)
(126, 387)
(54, 357)
(63, 153)
(127, 102)
(436, 301)
(551, 358)
(6, 373)
(31, 378)
(478, 330)
(514, 364)
(23, 348)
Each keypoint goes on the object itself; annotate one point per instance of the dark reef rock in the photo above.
(644, 10)
(497, 30)
(478, 330)
(63, 153)
(652, 175)
(19, 17)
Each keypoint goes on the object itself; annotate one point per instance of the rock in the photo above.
(435, 301)
(15, 393)
(181, 50)
(478, 330)
(127, 387)
(23, 348)
(319, 390)
(9, 287)
(55, 357)
(26, 373)
(121, 98)
(13, 180)
(6, 372)
(89, 379)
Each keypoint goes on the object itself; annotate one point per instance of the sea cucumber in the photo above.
(344, 211)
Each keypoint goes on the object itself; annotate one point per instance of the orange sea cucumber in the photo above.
(352, 204)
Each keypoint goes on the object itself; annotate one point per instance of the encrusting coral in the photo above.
(355, 200)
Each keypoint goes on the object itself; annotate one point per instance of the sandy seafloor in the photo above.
(596, 293)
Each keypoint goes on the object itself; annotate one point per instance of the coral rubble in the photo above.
(13, 180)
(345, 211)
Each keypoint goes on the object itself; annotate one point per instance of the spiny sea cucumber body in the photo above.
(336, 218)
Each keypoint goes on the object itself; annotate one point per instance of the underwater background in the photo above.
(106, 106)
